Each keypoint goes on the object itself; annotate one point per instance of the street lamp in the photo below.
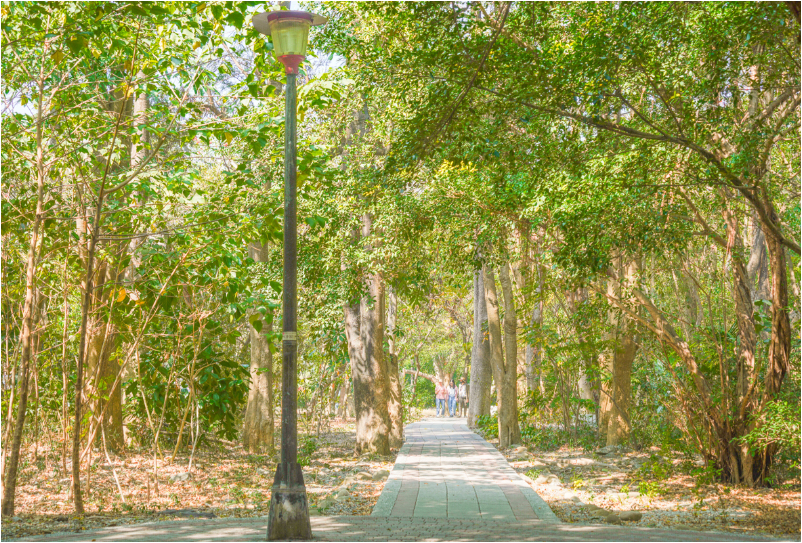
(289, 508)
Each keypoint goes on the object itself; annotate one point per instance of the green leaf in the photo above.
(76, 43)
(253, 88)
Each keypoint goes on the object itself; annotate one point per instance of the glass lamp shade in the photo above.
(290, 32)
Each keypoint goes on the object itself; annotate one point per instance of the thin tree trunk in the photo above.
(508, 387)
(139, 153)
(780, 344)
(606, 358)
(342, 398)
(533, 353)
(395, 403)
(82, 345)
(481, 371)
(26, 339)
(64, 371)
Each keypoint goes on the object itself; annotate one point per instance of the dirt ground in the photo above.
(225, 481)
(572, 481)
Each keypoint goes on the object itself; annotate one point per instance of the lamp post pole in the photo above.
(289, 506)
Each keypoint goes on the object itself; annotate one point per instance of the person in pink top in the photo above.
(440, 395)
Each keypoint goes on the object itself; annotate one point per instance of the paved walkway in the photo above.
(444, 470)
(448, 484)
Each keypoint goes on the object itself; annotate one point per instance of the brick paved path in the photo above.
(444, 470)
(447, 484)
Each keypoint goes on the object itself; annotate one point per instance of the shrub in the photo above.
(488, 425)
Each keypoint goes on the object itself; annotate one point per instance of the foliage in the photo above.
(488, 425)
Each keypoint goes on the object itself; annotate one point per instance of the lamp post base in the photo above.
(289, 508)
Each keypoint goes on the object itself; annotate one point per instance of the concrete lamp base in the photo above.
(289, 507)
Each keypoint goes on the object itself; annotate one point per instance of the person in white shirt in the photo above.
(463, 397)
(452, 399)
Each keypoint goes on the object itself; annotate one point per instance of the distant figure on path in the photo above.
(463, 398)
(452, 399)
(440, 395)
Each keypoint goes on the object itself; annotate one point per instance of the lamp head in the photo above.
(290, 32)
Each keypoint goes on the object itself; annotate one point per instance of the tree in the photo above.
(504, 371)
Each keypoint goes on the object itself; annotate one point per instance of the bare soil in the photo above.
(225, 481)
(659, 487)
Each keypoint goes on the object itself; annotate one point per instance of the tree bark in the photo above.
(533, 354)
(103, 389)
(616, 396)
(508, 431)
(618, 426)
(139, 154)
(342, 398)
(258, 425)
(364, 329)
(605, 359)
(369, 424)
(742, 294)
(373, 432)
(780, 344)
(481, 372)
(508, 388)
(395, 405)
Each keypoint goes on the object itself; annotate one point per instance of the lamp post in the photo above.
(289, 508)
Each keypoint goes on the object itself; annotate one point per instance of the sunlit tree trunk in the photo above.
(373, 423)
(508, 431)
(618, 425)
(616, 394)
(258, 425)
(508, 370)
(139, 153)
(395, 404)
(481, 372)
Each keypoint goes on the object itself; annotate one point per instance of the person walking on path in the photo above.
(440, 395)
(463, 397)
(452, 399)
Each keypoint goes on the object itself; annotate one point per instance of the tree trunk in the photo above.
(780, 345)
(606, 365)
(258, 425)
(372, 429)
(139, 154)
(374, 434)
(534, 355)
(508, 388)
(395, 404)
(506, 432)
(342, 399)
(481, 372)
(616, 395)
(618, 426)
(102, 368)
(26, 335)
